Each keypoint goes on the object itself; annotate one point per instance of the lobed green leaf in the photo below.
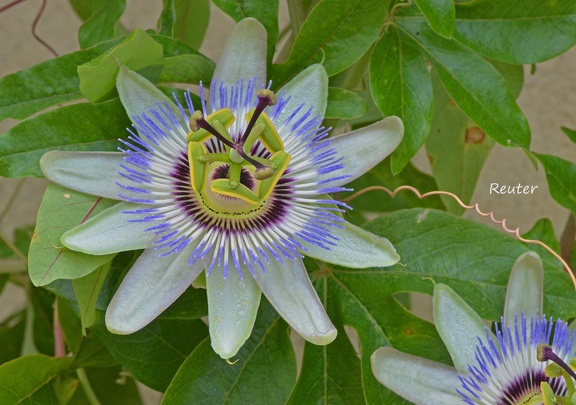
(86, 289)
(192, 18)
(79, 127)
(187, 69)
(473, 83)
(344, 104)
(331, 373)
(31, 379)
(264, 372)
(101, 25)
(154, 354)
(336, 33)
(167, 18)
(400, 85)
(517, 31)
(440, 14)
(456, 149)
(61, 210)
(138, 51)
(265, 11)
(46, 84)
(561, 176)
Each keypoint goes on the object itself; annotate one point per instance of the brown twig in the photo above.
(36, 19)
(515, 232)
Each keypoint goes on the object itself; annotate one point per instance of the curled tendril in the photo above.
(515, 232)
(34, 23)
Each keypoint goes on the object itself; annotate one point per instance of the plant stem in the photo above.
(567, 238)
(59, 343)
(11, 199)
(88, 391)
(4, 238)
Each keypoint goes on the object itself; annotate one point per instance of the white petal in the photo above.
(356, 248)
(458, 326)
(232, 307)
(288, 288)
(94, 173)
(139, 96)
(244, 55)
(419, 380)
(525, 288)
(309, 87)
(153, 283)
(110, 232)
(365, 148)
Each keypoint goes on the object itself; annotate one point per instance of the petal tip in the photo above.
(322, 339)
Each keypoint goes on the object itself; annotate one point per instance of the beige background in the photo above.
(548, 100)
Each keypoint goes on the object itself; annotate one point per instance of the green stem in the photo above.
(11, 199)
(567, 238)
(4, 238)
(88, 391)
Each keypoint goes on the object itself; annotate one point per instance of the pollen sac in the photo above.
(222, 118)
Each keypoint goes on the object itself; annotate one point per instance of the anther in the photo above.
(197, 121)
(545, 353)
(265, 98)
(264, 173)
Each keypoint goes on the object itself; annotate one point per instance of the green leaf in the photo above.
(472, 259)
(155, 353)
(265, 370)
(187, 69)
(167, 18)
(192, 17)
(61, 210)
(435, 247)
(192, 304)
(82, 7)
(101, 24)
(31, 380)
(456, 149)
(561, 176)
(87, 289)
(440, 15)
(48, 83)
(80, 127)
(87, 350)
(344, 104)
(111, 385)
(514, 75)
(570, 133)
(400, 85)
(518, 31)
(12, 336)
(42, 305)
(336, 33)
(331, 373)
(543, 230)
(138, 51)
(265, 11)
(474, 84)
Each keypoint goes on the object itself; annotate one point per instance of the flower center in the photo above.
(235, 175)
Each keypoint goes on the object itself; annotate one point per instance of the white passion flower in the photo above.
(237, 189)
(508, 368)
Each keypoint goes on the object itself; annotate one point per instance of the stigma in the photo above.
(243, 173)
